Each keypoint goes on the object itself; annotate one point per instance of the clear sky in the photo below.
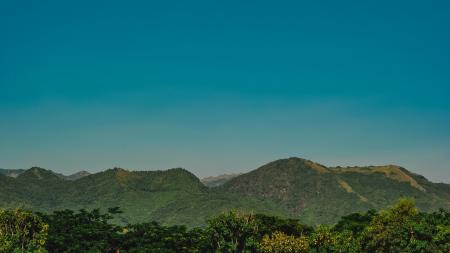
(224, 86)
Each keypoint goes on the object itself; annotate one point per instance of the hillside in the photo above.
(317, 194)
(174, 196)
(291, 187)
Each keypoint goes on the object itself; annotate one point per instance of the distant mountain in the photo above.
(11, 173)
(75, 176)
(78, 175)
(15, 173)
(218, 180)
(293, 187)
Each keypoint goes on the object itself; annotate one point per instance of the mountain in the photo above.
(318, 194)
(78, 175)
(174, 196)
(75, 176)
(218, 180)
(15, 173)
(11, 173)
(293, 187)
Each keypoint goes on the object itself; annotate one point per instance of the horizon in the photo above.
(221, 88)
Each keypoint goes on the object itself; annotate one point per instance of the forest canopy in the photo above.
(400, 228)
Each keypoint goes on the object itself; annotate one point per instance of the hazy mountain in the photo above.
(291, 187)
(11, 173)
(17, 172)
(218, 180)
(74, 176)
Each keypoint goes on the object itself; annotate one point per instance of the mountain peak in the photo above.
(38, 173)
(299, 163)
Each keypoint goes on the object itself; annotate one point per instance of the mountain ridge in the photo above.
(292, 187)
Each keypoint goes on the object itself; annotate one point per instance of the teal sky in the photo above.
(224, 86)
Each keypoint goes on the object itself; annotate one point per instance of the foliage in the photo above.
(398, 229)
(322, 240)
(152, 237)
(267, 224)
(83, 231)
(401, 228)
(22, 231)
(355, 222)
(233, 232)
(279, 242)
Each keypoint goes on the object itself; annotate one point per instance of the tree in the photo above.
(323, 239)
(442, 238)
(269, 224)
(83, 231)
(345, 242)
(279, 242)
(22, 231)
(355, 222)
(233, 232)
(152, 237)
(399, 229)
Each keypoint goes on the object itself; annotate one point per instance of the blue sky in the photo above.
(224, 86)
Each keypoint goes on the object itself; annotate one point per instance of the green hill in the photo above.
(317, 194)
(291, 187)
(175, 196)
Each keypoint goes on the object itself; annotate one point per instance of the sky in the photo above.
(224, 86)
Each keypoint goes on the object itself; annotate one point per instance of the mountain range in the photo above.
(293, 187)
(17, 172)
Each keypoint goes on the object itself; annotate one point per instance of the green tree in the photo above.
(279, 242)
(442, 238)
(269, 224)
(83, 231)
(345, 242)
(323, 239)
(22, 231)
(355, 222)
(154, 238)
(399, 229)
(233, 232)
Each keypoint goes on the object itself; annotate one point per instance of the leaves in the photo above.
(400, 228)
(22, 231)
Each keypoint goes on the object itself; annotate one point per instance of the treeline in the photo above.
(398, 229)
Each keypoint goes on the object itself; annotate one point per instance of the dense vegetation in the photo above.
(289, 188)
(401, 228)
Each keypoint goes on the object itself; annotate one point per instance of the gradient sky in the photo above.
(224, 86)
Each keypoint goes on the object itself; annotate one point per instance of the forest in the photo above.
(399, 228)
